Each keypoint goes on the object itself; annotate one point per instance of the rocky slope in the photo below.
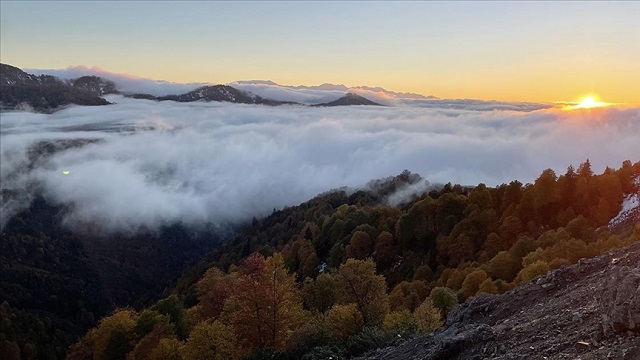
(588, 311)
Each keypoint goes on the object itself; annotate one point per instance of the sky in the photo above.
(511, 51)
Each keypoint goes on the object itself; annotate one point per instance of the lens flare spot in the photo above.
(66, 172)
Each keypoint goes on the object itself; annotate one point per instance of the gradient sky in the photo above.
(526, 51)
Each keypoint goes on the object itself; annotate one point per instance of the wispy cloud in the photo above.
(162, 162)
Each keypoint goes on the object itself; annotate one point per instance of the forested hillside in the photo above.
(56, 283)
(344, 274)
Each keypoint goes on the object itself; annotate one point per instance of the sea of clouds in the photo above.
(160, 162)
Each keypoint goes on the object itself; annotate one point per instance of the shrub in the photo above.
(370, 338)
(324, 353)
(265, 354)
(402, 323)
(428, 316)
(312, 335)
(344, 320)
(533, 270)
(444, 299)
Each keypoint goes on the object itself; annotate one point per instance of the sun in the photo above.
(588, 102)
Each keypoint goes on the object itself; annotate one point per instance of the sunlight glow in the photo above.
(588, 102)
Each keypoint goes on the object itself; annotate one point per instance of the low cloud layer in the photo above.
(147, 163)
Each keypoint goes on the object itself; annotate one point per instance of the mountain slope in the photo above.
(44, 93)
(222, 93)
(590, 310)
(95, 85)
(350, 99)
(11, 75)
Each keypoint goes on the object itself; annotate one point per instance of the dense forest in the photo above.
(343, 274)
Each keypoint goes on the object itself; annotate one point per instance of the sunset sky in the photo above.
(525, 51)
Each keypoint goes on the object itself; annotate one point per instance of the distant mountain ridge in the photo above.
(216, 93)
(45, 93)
(225, 93)
(341, 87)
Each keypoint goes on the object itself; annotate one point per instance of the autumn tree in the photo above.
(584, 170)
(110, 339)
(407, 295)
(428, 316)
(360, 246)
(319, 295)
(481, 197)
(167, 349)
(443, 298)
(472, 282)
(546, 194)
(345, 320)
(172, 307)
(503, 266)
(511, 197)
(386, 250)
(214, 287)
(488, 286)
(210, 340)
(401, 321)
(357, 282)
(300, 256)
(250, 295)
(509, 231)
(161, 328)
(539, 267)
(268, 305)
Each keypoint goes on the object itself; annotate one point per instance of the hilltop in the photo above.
(44, 93)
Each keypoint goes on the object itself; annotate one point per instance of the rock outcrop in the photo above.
(590, 310)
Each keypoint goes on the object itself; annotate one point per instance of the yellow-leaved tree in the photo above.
(358, 283)
(210, 340)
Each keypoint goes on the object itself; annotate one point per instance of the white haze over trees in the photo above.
(160, 162)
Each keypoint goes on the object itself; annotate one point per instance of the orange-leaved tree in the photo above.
(267, 304)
